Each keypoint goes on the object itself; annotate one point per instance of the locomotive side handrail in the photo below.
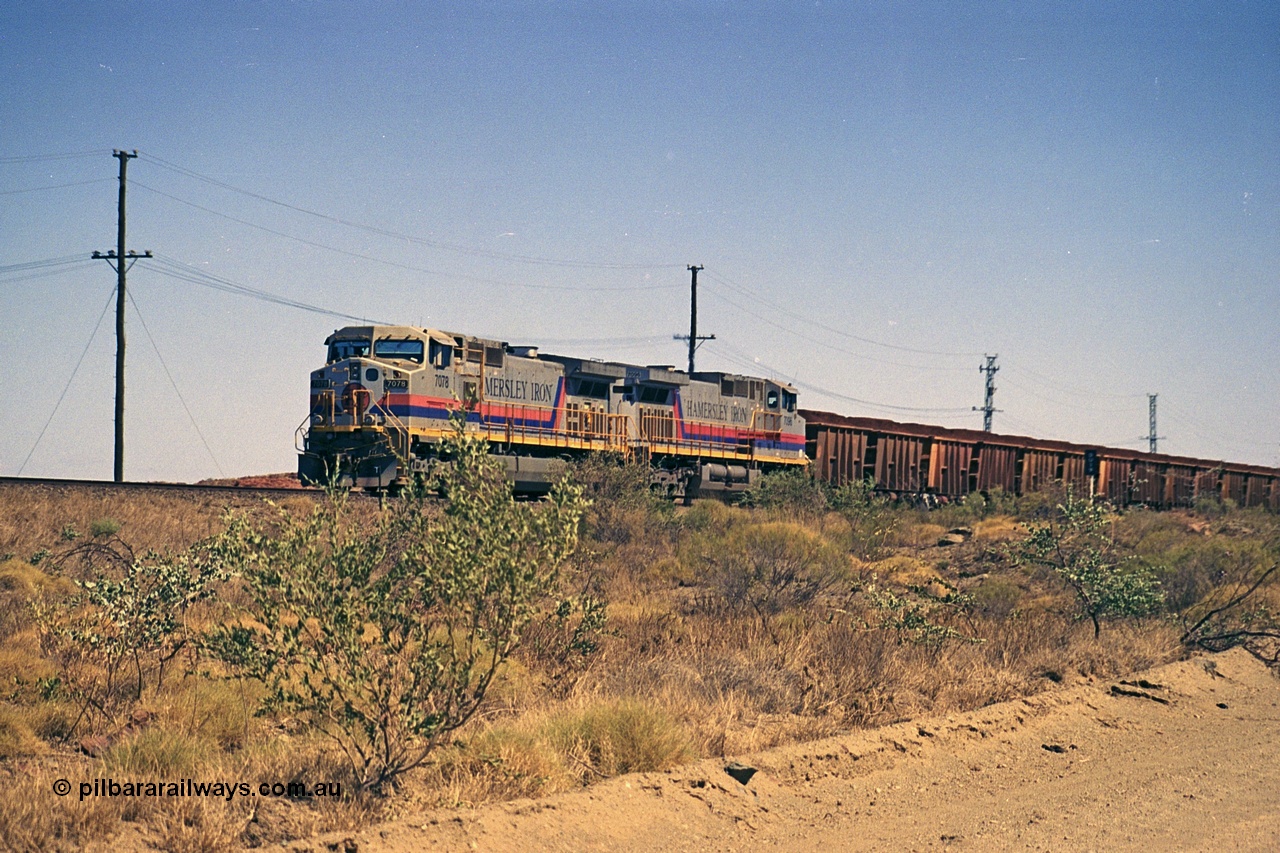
(560, 426)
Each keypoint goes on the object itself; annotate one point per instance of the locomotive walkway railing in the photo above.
(571, 426)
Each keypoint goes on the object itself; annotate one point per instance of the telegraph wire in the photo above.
(808, 339)
(48, 262)
(744, 360)
(50, 273)
(1076, 390)
(632, 341)
(174, 269)
(1234, 442)
(185, 408)
(43, 269)
(397, 264)
(745, 291)
(37, 158)
(1026, 390)
(1021, 424)
(435, 244)
(826, 392)
(56, 186)
(111, 293)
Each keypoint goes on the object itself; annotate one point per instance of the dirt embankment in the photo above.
(1187, 757)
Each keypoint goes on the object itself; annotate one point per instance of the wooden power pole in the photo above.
(695, 340)
(117, 258)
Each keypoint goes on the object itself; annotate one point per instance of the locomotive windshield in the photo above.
(406, 350)
(339, 350)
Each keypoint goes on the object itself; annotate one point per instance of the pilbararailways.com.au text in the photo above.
(226, 790)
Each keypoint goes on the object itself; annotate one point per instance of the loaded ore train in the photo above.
(383, 401)
(936, 463)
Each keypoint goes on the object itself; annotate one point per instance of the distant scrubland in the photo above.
(452, 651)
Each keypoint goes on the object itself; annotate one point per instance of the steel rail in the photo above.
(171, 487)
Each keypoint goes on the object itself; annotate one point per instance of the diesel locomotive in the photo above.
(384, 399)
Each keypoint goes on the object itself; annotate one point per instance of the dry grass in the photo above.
(53, 518)
(33, 818)
(675, 676)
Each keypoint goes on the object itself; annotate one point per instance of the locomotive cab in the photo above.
(353, 421)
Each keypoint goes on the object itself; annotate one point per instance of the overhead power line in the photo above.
(174, 269)
(1062, 387)
(398, 265)
(809, 339)
(39, 158)
(56, 186)
(422, 241)
(745, 291)
(176, 390)
(1057, 399)
(70, 379)
(65, 260)
(743, 360)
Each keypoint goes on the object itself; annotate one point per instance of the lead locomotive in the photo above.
(383, 401)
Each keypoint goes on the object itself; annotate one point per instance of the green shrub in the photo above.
(872, 518)
(116, 637)
(768, 568)
(620, 736)
(792, 490)
(385, 633)
(104, 527)
(997, 597)
(1079, 546)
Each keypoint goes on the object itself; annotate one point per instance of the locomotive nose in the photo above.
(355, 399)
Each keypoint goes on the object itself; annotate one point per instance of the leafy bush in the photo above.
(104, 527)
(793, 490)
(872, 518)
(1079, 547)
(116, 637)
(386, 633)
(918, 615)
(767, 568)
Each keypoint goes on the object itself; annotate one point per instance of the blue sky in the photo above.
(881, 193)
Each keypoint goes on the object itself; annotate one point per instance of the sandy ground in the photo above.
(1187, 757)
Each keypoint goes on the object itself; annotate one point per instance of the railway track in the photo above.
(108, 485)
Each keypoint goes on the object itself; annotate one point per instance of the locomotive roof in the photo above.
(718, 375)
(661, 374)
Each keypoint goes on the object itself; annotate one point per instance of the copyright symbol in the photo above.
(62, 787)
